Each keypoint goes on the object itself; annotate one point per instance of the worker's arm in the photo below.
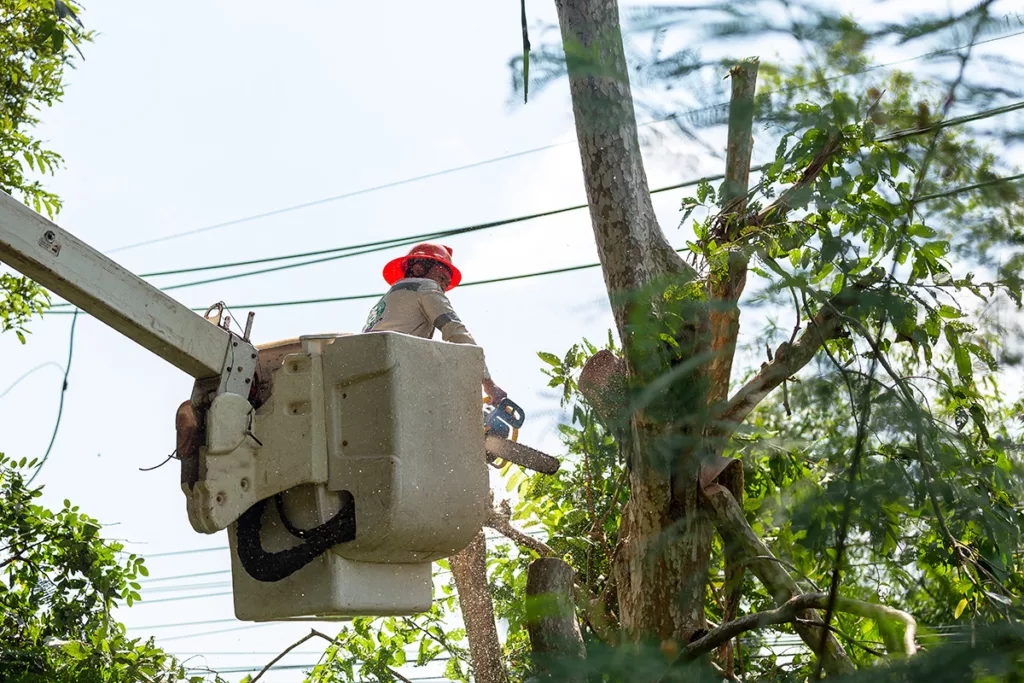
(440, 311)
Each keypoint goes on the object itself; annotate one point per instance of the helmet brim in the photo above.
(395, 270)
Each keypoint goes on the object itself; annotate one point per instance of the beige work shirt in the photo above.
(417, 306)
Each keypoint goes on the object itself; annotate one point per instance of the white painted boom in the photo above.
(67, 266)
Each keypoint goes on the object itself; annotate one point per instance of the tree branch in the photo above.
(469, 567)
(313, 633)
(735, 531)
(791, 611)
(791, 358)
(726, 287)
(796, 195)
(593, 609)
(500, 520)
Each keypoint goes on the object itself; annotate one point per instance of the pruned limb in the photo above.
(726, 285)
(793, 609)
(603, 383)
(469, 567)
(551, 615)
(733, 527)
(594, 609)
(791, 358)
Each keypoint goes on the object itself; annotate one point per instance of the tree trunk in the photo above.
(661, 570)
(555, 636)
(469, 567)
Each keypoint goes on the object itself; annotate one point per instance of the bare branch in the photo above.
(398, 675)
(790, 611)
(499, 520)
(313, 633)
(791, 358)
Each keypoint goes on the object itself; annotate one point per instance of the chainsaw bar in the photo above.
(524, 456)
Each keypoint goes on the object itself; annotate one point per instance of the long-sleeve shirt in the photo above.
(417, 306)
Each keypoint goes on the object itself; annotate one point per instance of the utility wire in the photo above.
(60, 407)
(25, 376)
(387, 244)
(147, 581)
(143, 601)
(381, 245)
(569, 269)
(505, 157)
(218, 631)
(186, 552)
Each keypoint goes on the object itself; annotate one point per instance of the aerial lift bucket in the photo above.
(386, 425)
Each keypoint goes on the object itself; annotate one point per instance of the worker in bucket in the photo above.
(416, 303)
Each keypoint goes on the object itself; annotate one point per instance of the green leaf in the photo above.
(961, 606)
(550, 358)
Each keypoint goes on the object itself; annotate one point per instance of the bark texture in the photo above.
(661, 569)
(727, 284)
(555, 636)
(469, 568)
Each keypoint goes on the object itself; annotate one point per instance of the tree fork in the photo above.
(733, 527)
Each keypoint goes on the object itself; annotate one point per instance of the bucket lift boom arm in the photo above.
(56, 259)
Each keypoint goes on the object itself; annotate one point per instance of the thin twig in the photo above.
(787, 565)
(313, 633)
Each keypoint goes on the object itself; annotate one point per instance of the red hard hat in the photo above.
(395, 269)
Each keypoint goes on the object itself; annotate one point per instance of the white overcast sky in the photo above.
(193, 113)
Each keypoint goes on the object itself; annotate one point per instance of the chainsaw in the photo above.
(501, 434)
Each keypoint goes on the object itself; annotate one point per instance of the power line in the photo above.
(60, 407)
(325, 200)
(891, 137)
(477, 164)
(282, 667)
(187, 552)
(204, 622)
(187, 587)
(183, 597)
(146, 581)
(25, 376)
(402, 241)
(219, 631)
(968, 188)
(377, 295)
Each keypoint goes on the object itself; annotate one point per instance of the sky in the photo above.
(198, 113)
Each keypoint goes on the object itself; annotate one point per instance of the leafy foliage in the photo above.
(38, 42)
(20, 299)
(60, 581)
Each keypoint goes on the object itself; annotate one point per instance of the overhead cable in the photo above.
(505, 157)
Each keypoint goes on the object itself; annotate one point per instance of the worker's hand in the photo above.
(495, 394)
